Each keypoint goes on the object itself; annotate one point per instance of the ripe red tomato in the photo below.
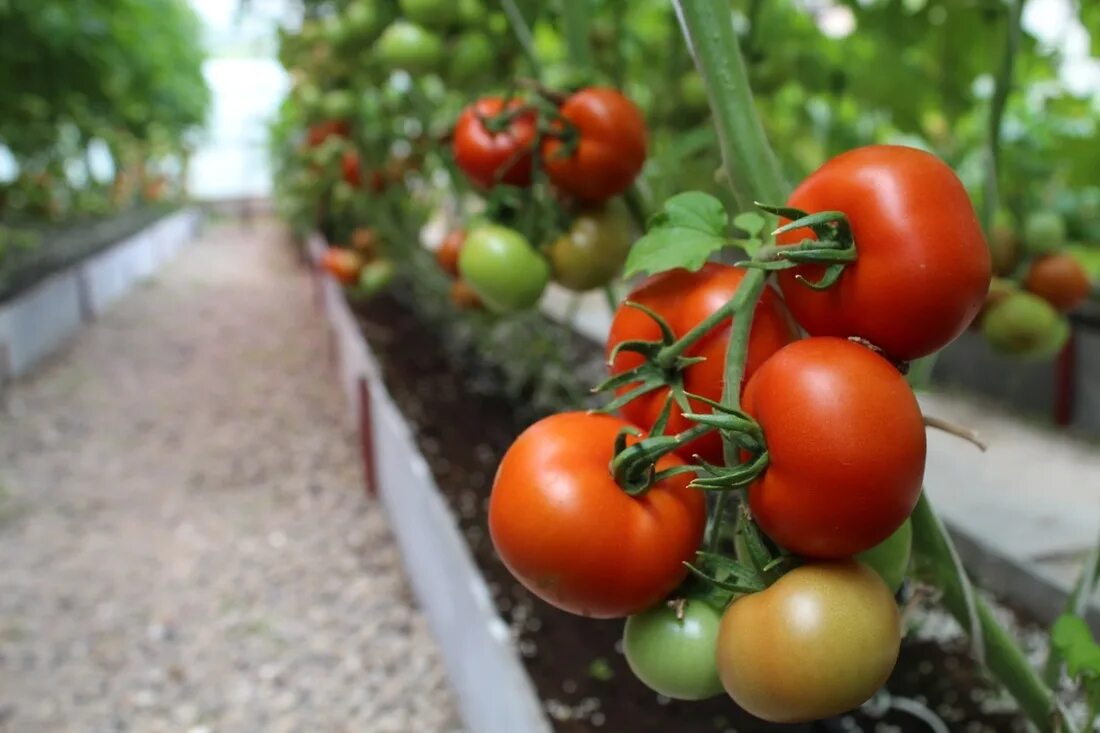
(923, 266)
(684, 299)
(574, 538)
(349, 166)
(322, 131)
(818, 642)
(488, 157)
(1060, 280)
(610, 147)
(846, 447)
(449, 249)
(343, 264)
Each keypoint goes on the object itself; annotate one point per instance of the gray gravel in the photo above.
(184, 540)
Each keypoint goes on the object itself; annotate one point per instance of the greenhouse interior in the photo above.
(506, 366)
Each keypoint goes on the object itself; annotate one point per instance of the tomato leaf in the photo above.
(1074, 641)
(688, 229)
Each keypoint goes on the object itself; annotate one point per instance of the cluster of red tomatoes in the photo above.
(590, 149)
(845, 451)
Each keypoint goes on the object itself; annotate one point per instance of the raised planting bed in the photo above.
(73, 275)
(439, 421)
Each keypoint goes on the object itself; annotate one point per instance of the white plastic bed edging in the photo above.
(495, 695)
(38, 322)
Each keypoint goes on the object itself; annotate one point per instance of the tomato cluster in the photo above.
(359, 267)
(827, 437)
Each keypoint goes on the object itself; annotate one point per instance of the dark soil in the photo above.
(463, 427)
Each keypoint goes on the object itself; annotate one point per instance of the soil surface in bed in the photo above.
(463, 427)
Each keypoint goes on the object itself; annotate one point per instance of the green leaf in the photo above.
(600, 669)
(750, 222)
(689, 228)
(1071, 636)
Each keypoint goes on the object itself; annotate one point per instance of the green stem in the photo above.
(749, 162)
(522, 32)
(574, 16)
(1001, 90)
(936, 561)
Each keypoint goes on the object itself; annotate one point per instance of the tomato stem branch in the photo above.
(574, 16)
(1002, 88)
(522, 33)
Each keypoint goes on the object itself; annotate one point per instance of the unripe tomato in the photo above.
(592, 251)
(449, 249)
(573, 537)
(430, 13)
(349, 167)
(471, 58)
(819, 642)
(363, 19)
(463, 296)
(693, 92)
(472, 12)
(376, 276)
(342, 264)
(684, 299)
(489, 157)
(610, 145)
(503, 269)
(846, 447)
(405, 45)
(675, 657)
(1044, 232)
(923, 266)
(338, 104)
(1025, 326)
(890, 558)
(1060, 280)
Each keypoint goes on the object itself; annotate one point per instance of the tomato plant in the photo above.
(488, 155)
(502, 268)
(601, 148)
(923, 266)
(568, 532)
(592, 251)
(672, 651)
(1060, 280)
(817, 643)
(846, 447)
(684, 299)
(449, 249)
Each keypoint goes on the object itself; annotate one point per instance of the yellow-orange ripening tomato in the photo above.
(573, 537)
(818, 642)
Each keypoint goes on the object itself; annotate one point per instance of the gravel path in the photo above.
(184, 541)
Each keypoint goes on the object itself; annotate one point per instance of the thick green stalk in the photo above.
(936, 562)
(522, 32)
(750, 164)
(574, 16)
(1002, 88)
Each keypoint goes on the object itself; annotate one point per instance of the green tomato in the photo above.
(1025, 326)
(338, 104)
(363, 19)
(375, 276)
(890, 558)
(1003, 243)
(431, 13)
(471, 58)
(471, 12)
(693, 92)
(592, 251)
(407, 46)
(675, 657)
(503, 269)
(1044, 232)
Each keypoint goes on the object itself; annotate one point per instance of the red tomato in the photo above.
(322, 131)
(343, 264)
(610, 147)
(349, 166)
(464, 297)
(574, 538)
(377, 181)
(449, 249)
(489, 158)
(923, 266)
(1060, 280)
(846, 447)
(684, 299)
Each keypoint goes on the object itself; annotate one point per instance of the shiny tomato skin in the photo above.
(449, 249)
(1060, 280)
(816, 643)
(610, 150)
(488, 158)
(846, 447)
(573, 537)
(684, 299)
(923, 266)
(673, 654)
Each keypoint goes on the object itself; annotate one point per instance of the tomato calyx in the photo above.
(832, 246)
(635, 466)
